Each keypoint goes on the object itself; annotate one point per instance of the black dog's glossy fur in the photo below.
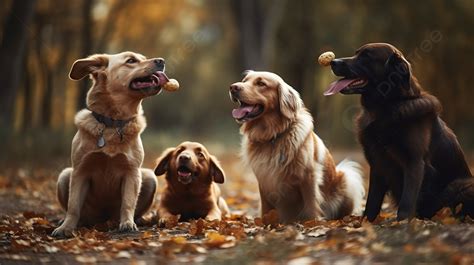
(411, 151)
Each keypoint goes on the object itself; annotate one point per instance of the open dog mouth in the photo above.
(151, 83)
(246, 112)
(185, 175)
(346, 86)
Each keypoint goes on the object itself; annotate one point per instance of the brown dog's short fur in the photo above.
(108, 183)
(411, 151)
(191, 177)
(296, 173)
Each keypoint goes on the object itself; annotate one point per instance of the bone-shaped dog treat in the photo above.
(172, 85)
(326, 58)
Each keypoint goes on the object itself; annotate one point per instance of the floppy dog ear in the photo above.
(398, 71)
(246, 72)
(216, 171)
(163, 161)
(83, 67)
(290, 100)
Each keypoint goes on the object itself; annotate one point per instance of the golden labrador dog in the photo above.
(296, 173)
(106, 181)
(191, 176)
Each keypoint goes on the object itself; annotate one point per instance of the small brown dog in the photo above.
(191, 176)
(106, 181)
(296, 173)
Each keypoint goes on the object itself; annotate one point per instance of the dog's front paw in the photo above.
(63, 231)
(214, 216)
(128, 226)
(162, 222)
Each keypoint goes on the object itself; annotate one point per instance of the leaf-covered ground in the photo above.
(29, 212)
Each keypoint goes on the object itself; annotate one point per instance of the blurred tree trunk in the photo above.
(11, 56)
(61, 80)
(257, 21)
(28, 105)
(295, 59)
(86, 47)
(47, 102)
(248, 15)
(110, 25)
(42, 48)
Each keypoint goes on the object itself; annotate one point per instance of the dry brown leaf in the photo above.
(312, 223)
(20, 244)
(216, 240)
(29, 215)
(193, 248)
(121, 245)
(179, 240)
(196, 227)
(408, 248)
(172, 221)
(146, 235)
(318, 231)
(445, 216)
(271, 218)
(232, 228)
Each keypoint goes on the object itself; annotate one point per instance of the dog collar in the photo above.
(279, 135)
(109, 123)
(283, 156)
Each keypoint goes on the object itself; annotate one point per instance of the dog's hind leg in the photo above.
(460, 191)
(63, 187)
(146, 198)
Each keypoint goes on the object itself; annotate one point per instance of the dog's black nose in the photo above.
(235, 88)
(184, 158)
(336, 62)
(160, 62)
(340, 67)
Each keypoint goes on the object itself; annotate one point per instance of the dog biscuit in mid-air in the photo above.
(172, 85)
(326, 58)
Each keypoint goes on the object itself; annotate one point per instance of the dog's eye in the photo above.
(261, 83)
(132, 61)
(200, 155)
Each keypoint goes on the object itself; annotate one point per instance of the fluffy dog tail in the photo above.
(354, 190)
(460, 191)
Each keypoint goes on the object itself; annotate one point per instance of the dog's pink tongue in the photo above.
(162, 78)
(239, 113)
(184, 174)
(336, 86)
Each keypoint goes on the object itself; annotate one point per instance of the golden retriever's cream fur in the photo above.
(296, 173)
(108, 183)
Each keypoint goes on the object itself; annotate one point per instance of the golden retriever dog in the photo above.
(106, 181)
(296, 173)
(192, 175)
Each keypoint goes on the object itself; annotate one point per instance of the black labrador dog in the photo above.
(411, 151)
